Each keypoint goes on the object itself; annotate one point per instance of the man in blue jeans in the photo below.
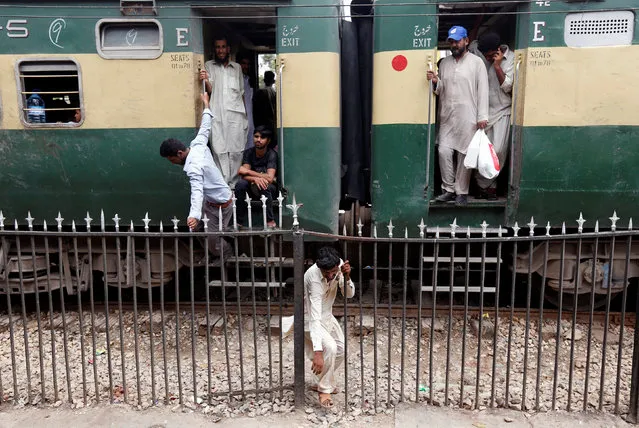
(258, 170)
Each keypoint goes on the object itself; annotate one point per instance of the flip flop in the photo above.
(315, 388)
(327, 402)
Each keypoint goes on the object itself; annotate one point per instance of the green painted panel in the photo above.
(71, 30)
(307, 28)
(404, 27)
(75, 171)
(312, 172)
(399, 174)
(568, 170)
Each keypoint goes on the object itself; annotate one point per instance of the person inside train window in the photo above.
(245, 62)
(258, 172)
(462, 87)
(323, 336)
(77, 116)
(264, 104)
(210, 194)
(500, 63)
(225, 83)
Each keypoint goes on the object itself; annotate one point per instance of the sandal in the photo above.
(325, 400)
(315, 388)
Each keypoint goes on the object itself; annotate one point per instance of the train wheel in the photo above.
(582, 301)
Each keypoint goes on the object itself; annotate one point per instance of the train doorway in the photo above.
(479, 20)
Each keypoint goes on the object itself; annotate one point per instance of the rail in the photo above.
(536, 321)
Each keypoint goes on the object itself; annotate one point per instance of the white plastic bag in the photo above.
(473, 149)
(487, 161)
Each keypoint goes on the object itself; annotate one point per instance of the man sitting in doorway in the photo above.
(500, 63)
(258, 170)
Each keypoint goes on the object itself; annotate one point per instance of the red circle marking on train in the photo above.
(399, 63)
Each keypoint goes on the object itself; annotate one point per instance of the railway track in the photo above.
(353, 310)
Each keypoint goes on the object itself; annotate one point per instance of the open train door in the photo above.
(308, 107)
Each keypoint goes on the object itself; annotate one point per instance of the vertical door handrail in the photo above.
(514, 121)
(428, 138)
(280, 142)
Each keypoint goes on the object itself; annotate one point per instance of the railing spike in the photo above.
(73, 226)
(88, 220)
(131, 228)
(516, 229)
(59, 220)
(161, 227)
(29, 220)
(563, 228)
(500, 231)
(453, 227)
(344, 230)
(44, 225)
(295, 207)
(614, 220)
(15, 224)
(375, 231)
(437, 232)
(206, 220)
(249, 208)
(390, 228)
(405, 233)
(597, 226)
(360, 225)
(175, 222)
(116, 220)
(484, 228)
(146, 221)
(234, 199)
(630, 224)
(531, 226)
(220, 218)
(467, 231)
(280, 199)
(2, 217)
(102, 223)
(263, 198)
(422, 227)
(548, 229)
(580, 223)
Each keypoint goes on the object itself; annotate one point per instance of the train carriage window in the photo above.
(588, 29)
(50, 93)
(127, 39)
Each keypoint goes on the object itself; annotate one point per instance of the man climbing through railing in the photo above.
(323, 336)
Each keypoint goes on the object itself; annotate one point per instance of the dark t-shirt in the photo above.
(268, 161)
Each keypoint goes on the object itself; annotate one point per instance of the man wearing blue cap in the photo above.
(462, 87)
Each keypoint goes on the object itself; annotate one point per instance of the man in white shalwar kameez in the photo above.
(500, 63)
(324, 338)
(225, 82)
(462, 87)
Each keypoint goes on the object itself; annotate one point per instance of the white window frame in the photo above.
(21, 98)
(136, 52)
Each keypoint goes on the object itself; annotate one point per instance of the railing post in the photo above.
(633, 415)
(298, 323)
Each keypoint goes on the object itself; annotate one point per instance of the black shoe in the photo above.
(461, 200)
(445, 197)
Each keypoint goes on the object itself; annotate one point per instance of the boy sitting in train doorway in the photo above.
(257, 176)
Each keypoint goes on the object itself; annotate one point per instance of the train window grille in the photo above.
(589, 29)
(128, 39)
(50, 93)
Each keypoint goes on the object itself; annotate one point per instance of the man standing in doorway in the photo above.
(245, 63)
(323, 336)
(225, 83)
(210, 194)
(462, 87)
(500, 62)
(264, 109)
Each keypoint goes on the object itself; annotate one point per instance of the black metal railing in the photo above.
(473, 318)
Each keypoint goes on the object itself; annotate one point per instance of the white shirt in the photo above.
(206, 179)
(499, 94)
(462, 88)
(318, 302)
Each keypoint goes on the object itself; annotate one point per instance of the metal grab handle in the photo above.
(512, 131)
(428, 139)
(280, 142)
